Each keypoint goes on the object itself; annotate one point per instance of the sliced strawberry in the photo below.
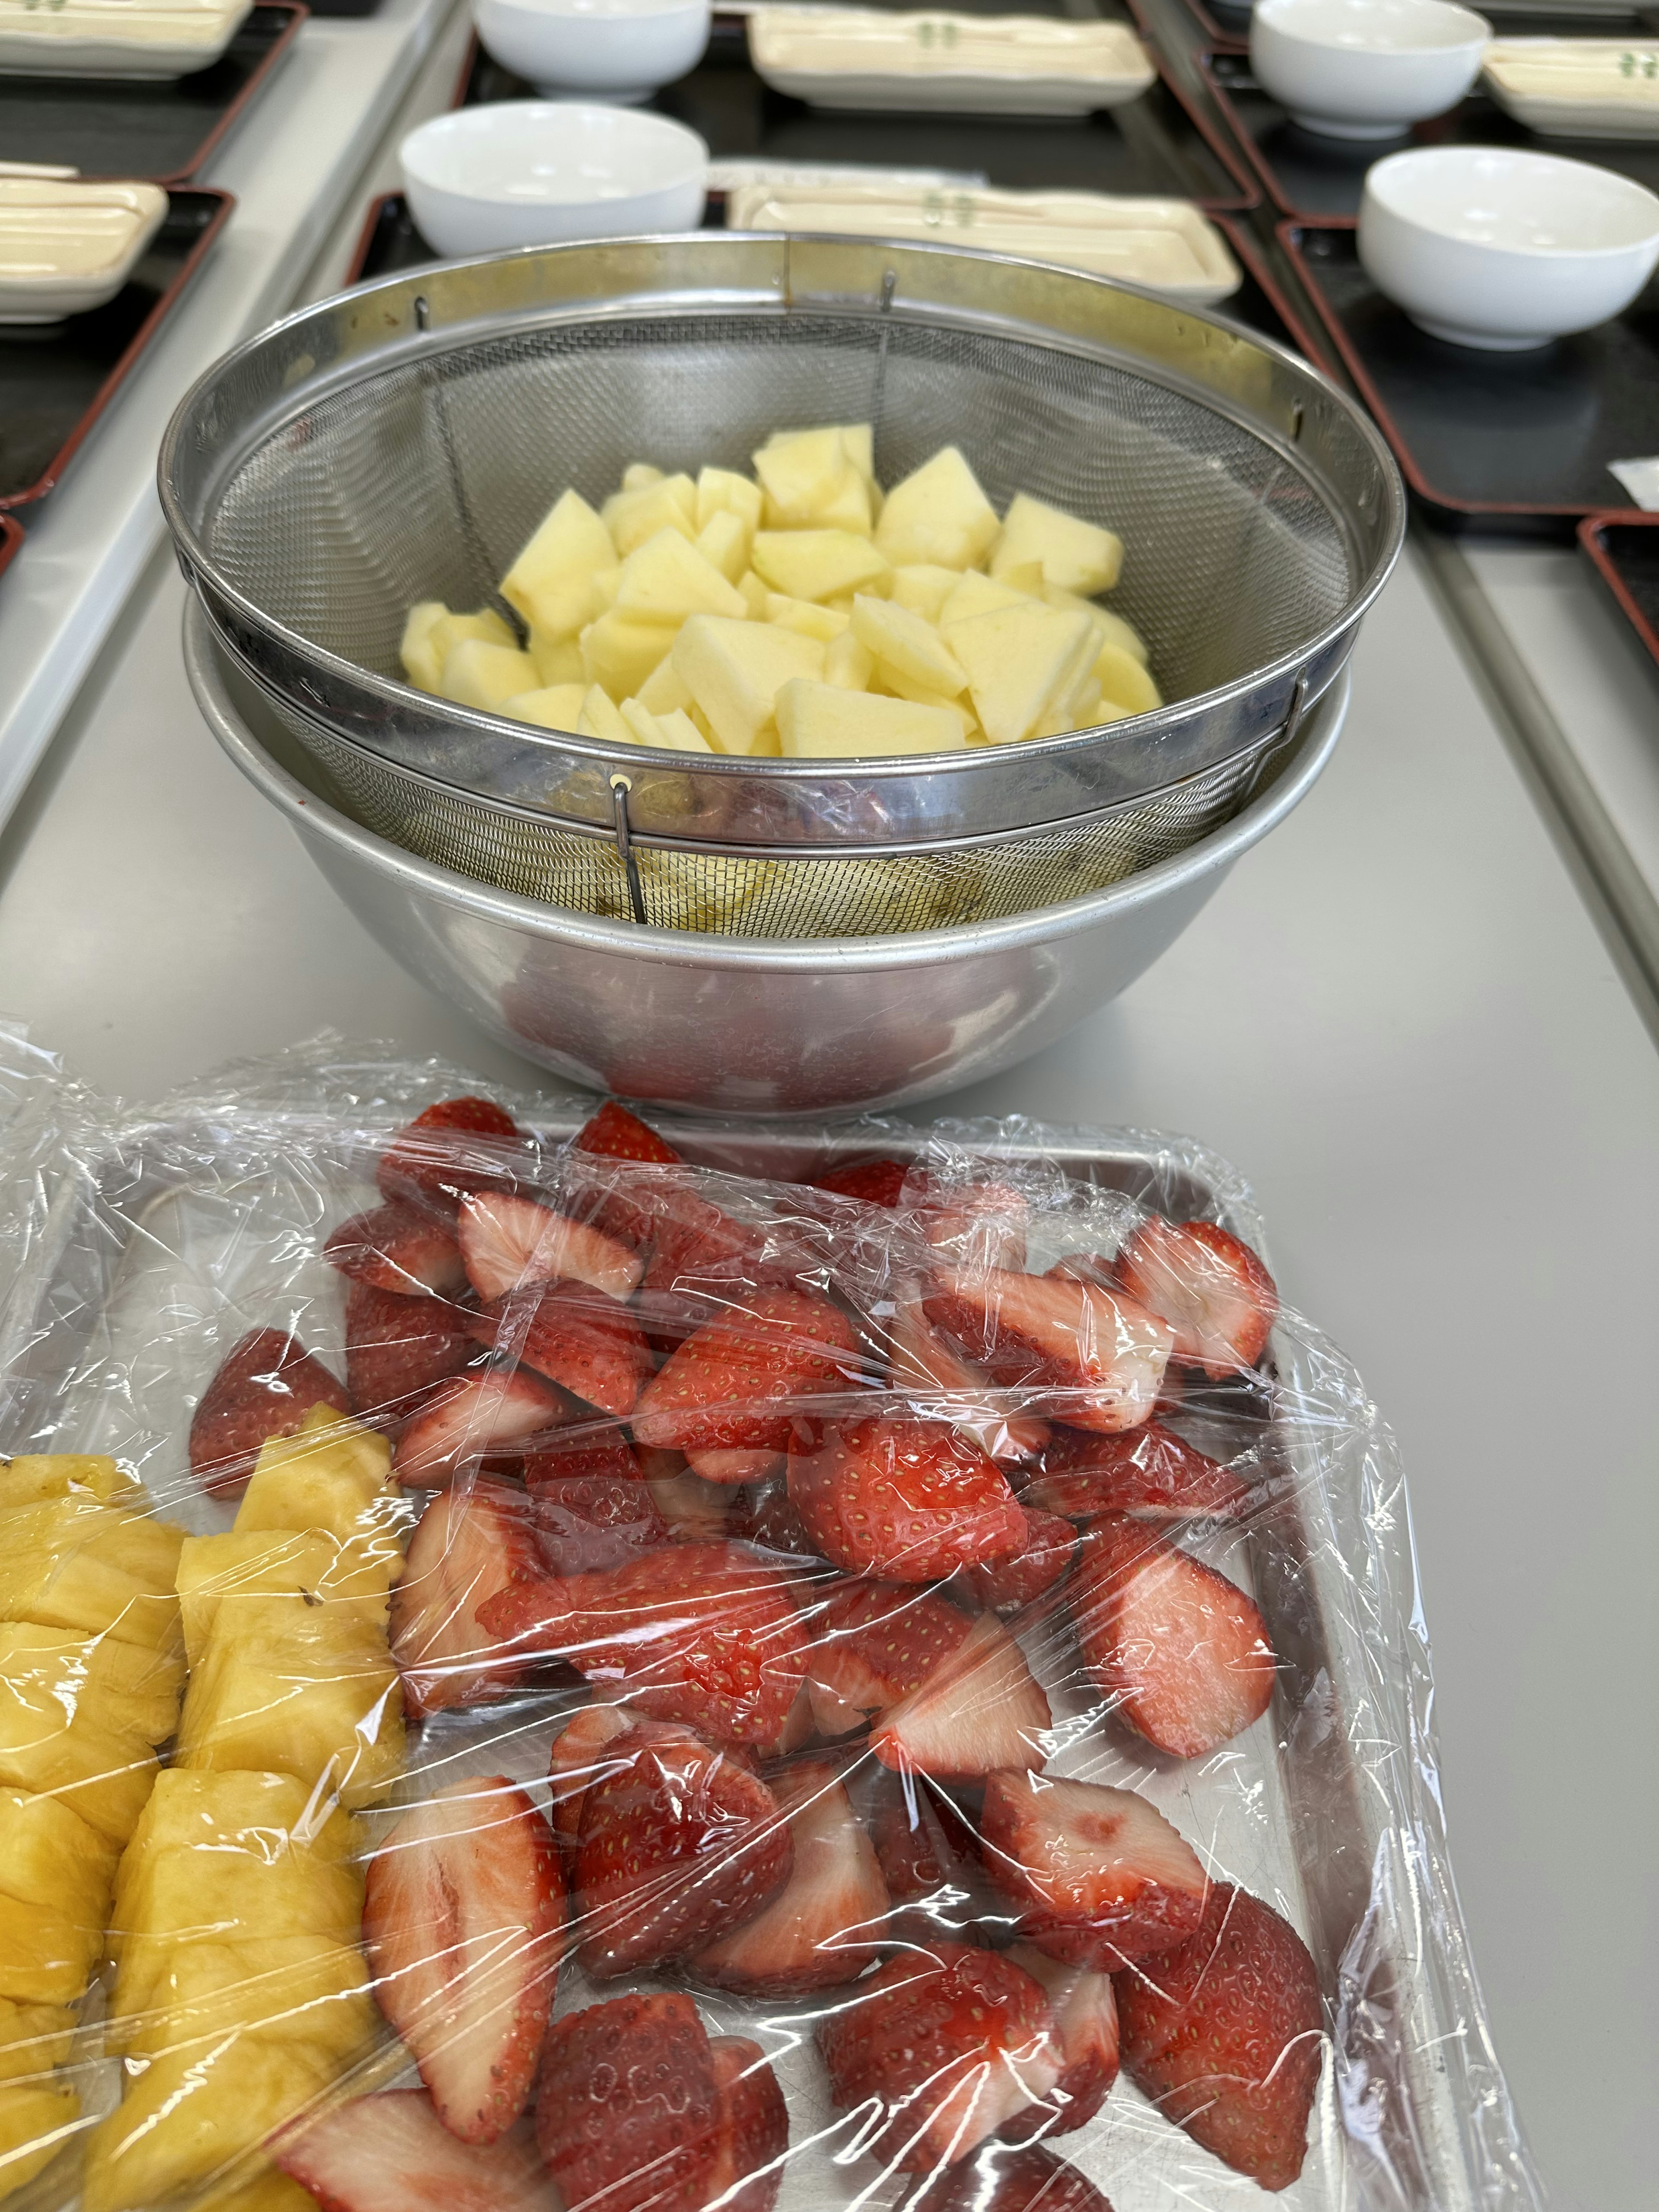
(943, 2047)
(905, 1498)
(463, 1924)
(1008, 1586)
(588, 1451)
(872, 1644)
(977, 1225)
(469, 1545)
(762, 1513)
(1098, 1876)
(458, 1147)
(828, 1925)
(1224, 2035)
(1214, 1292)
(399, 1247)
(922, 1362)
(578, 1759)
(266, 1384)
(725, 1397)
(1151, 1471)
(680, 1845)
(616, 1134)
(753, 2128)
(704, 1261)
(703, 1633)
(1085, 2021)
(398, 1349)
(468, 1418)
(980, 1708)
(586, 1523)
(508, 1242)
(628, 2114)
(1000, 2179)
(1095, 1358)
(877, 1182)
(1182, 1652)
(392, 2153)
(929, 1858)
(577, 1337)
(695, 1512)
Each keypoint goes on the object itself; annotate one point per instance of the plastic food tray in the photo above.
(1623, 548)
(162, 132)
(56, 378)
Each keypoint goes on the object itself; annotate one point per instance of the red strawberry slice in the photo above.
(586, 1523)
(463, 1924)
(399, 1247)
(872, 1644)
(577, 1337)
(922, 1363)
(945, 2046)
(468, 1545)
(1008, 1586)
(1183, 1653)
(398, 1348)
(616, 1134)
(977, 1226)
(980, 1708)
(752, 2137)
(929, 1858)
(827, 1925)
(703, 1633)
(1085, 2022)
(680, 1845)
(266, 1384)
(877, 1183)
(470, 1417)
(724, 1398)
(1151, 1471)
(1093, 1357)
(392, 2153)
(1000, 2179)
(508, 1242)
(458, 1147)
(628, 2115)
(1097, 1875)
(590, 1451)
(908, 1499)
(1214, 1292)
(705, 1262)
(762, 1513)
(695, 1512)
(579, 1757)
(1224, 2035)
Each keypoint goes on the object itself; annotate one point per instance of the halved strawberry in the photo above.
(470, 1417)
(578, 1758)
(1181, 1651)
(872, 1644)
(468, 1545)
(1097, 1875)
(922, 1363)
(629, 2111)
(464, 1923)
(398, 1348)
(762, 1513)
(703, 1633)
(586, 1342)
(457, 1146)
(1090, 1356)
(392, 2153)
(704, 1261)
(905, 1498)
(1085, 2024)
(928, 1852)
(586, 1451)
(1008, 1586)
(586, 1523)
(877, 1183)
(616, 1134)
(680, 1843)
(1224, 2035)
(941, 2048)
(265, 1385)
(1214, 1292)
(399, 1247)
(1000, 2178)
(977, 1226)
(981, 1708)
(829, 1921)
(725, 1397)
(752, 2133)
(1151, 1471)
(508, 1242)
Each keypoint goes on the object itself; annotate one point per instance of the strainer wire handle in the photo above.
(620, 787)
(432, 376)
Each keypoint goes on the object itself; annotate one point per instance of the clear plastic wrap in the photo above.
(689, 1685)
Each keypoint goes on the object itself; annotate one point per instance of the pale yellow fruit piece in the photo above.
(977, 595)
(619, 652)
(298, 1988)
(663, 691)
(723, 541)
(246, 1812)
(189, 2113)
(417, 650)
(49, 1856)
(275, 1562)
(889, 683)
(850, 509)
(46, 1956)
(723, 491)
(331, 1474)
(1126, 681)
(823, 622)
(820, 721)
(667, 579)
(606, 583)
(1112, 627)
(558, 660)
(36, 2124)
(103, 1776)
(185, 1897)
(923, 588)
(482, 675)
(631, 517)
(33, 2038)
(847, 663)
(817, 564)
(1019, 660)
(640, 476)
(71, 1563)
(140, 1544)
(734, 671)
(672, 733)
(551, 582)
(34, 1477)
(114, 1685)
(938, 515)
(600, 717)
(802, 472)
(442, 634)
(1078, 555)
(755, 593)
(1026, 576)
(554, 708)
(858, 443)
(908, 645)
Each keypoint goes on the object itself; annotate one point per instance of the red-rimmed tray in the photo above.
(56, 378)
(1509, 442)
(11, 539)
(162, 131)
(1623, 547)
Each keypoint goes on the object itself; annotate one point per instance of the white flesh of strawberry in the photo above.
(1196, 1292)
(1112, 1352)
(470, 1417)
(508, 1241)
(921, 1357)
(456, 1562)
(1087, 1842)
(392, 2153)
(578, 1760)
(980, 1708)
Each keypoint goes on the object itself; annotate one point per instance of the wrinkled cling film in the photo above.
(729, 1692)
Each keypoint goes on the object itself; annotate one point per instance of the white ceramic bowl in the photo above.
(1492, 247)
(1365, 69)
(537, 171)
(612, 50)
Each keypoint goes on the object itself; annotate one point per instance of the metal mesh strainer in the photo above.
(401, 442)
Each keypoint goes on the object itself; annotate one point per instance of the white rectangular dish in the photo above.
(964, 64)
(1166, 245)
(1577, 87)
(66, 246)
(142, 39)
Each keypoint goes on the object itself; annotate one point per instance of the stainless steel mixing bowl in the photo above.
(728, 1024)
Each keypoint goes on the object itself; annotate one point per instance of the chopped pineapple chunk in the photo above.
(32, 1478)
